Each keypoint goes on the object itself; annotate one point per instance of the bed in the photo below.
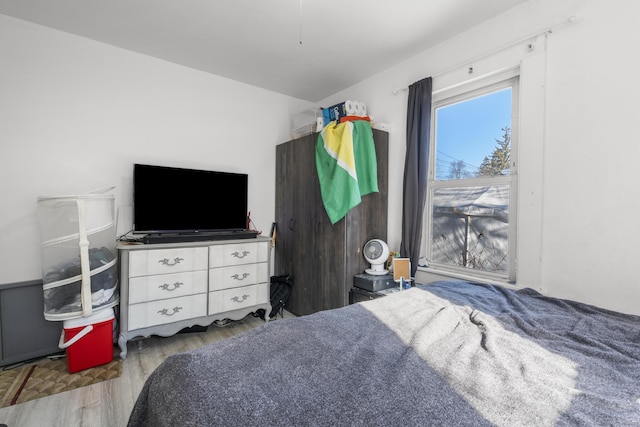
(445, 354)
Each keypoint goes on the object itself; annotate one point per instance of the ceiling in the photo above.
(308, 49)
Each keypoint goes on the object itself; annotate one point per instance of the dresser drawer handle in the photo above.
(237, 299)
(239, 255)
(167, 262)
(237, 276)
(175, 286)
(165, 312)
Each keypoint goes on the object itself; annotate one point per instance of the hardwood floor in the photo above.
(109, 403)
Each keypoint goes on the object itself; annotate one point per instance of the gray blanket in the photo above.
(447, 354)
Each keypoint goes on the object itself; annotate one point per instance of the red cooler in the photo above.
(88, 340)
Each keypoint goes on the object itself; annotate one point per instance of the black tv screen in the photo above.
(176, 200)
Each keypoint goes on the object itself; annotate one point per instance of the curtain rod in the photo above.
(548, 30)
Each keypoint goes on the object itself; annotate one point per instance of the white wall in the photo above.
(580, 150)
(75, 115)
(592, 158)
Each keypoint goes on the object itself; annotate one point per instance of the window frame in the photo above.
(456, 94)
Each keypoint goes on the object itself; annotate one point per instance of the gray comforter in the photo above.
(447, 354)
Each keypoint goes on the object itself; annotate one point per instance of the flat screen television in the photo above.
(188, 202)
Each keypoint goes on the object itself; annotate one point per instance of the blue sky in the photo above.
(468, 130)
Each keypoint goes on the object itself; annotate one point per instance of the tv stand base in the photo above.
(168, 287)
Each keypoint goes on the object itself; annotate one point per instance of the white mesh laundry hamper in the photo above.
(79, 258)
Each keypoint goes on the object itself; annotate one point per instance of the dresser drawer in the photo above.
(161, 261)
(238, 253)
(238, 275)
(163, 286)
(166, 311)
(236, 298)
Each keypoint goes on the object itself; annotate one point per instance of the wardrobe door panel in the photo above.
(306, 292)
(368, 220)
(295, 201)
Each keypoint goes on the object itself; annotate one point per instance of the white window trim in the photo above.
(490, 82)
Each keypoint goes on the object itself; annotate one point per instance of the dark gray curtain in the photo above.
(415, 169)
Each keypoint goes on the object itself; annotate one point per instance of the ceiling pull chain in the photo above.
(300, 19)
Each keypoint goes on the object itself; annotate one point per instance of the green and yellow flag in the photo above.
(346, 164)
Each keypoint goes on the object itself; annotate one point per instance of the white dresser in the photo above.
(167, 287)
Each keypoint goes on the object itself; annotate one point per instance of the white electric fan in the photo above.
(376, 252)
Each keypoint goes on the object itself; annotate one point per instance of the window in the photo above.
(472, 189)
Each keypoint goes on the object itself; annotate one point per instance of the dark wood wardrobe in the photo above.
(321, 257)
